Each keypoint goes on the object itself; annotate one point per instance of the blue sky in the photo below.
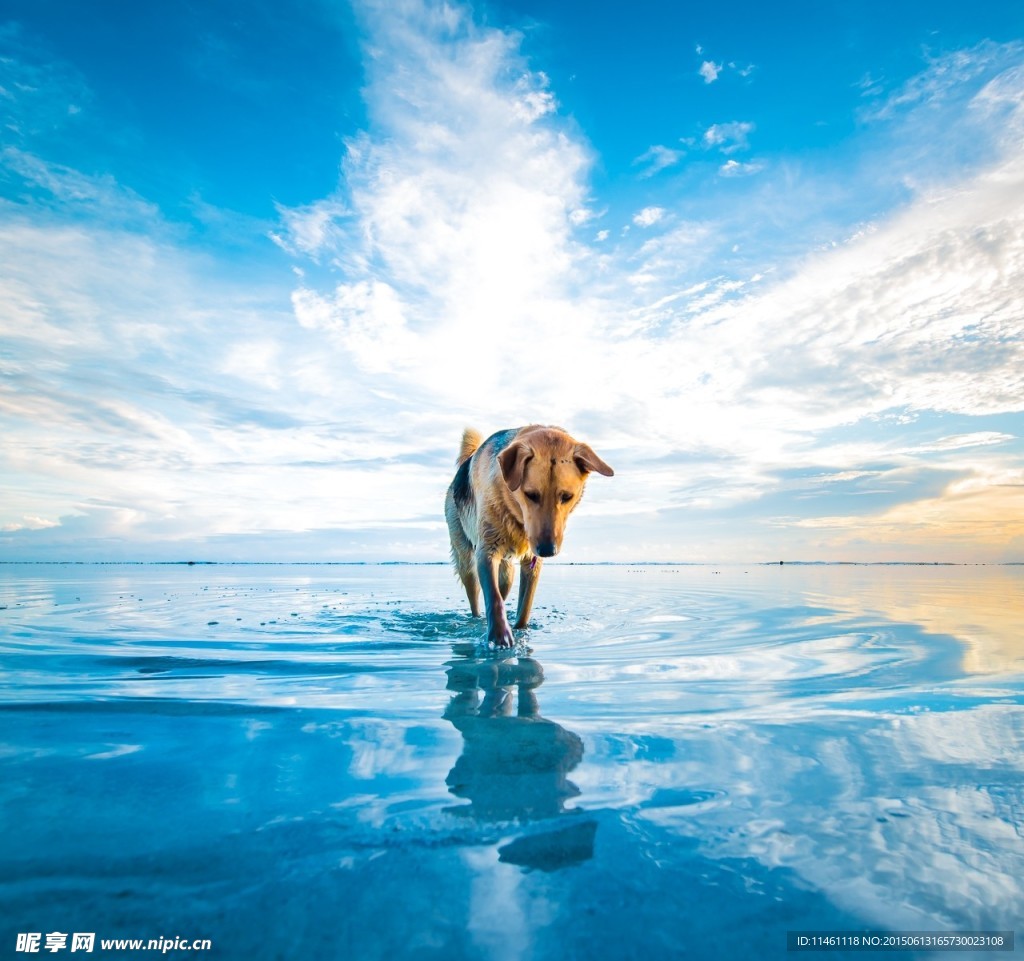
(262, 262)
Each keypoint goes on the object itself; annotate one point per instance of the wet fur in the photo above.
(493, 519)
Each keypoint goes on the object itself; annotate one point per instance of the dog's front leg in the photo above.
(498, 631)
(529, 574)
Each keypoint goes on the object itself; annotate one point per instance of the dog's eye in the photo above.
(532, 496)
(565, 497)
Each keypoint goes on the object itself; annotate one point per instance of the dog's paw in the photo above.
(500, 636)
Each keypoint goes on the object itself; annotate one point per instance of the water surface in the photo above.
(323, 762)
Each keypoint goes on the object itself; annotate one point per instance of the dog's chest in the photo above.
(515, 540)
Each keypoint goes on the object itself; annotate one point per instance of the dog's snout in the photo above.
(546, 549)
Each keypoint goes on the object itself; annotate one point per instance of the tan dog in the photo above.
(510, 499)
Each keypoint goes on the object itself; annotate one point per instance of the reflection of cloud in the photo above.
(858, 755)
(985, 617)
(379, 746)
(858, 808)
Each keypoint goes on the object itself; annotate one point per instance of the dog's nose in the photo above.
(546, 549)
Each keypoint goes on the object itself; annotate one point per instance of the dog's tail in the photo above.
(471, 440)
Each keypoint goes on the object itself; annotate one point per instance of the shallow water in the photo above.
(323, 762)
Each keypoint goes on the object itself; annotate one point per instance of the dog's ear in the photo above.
(587, 460)
(513, 460)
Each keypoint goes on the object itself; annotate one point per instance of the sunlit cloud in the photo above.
(884, 321)
(979, 512)
(465, 270)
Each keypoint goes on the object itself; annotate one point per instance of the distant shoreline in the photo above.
(784, 563)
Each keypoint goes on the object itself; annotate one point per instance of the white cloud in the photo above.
(368, 320)
(649, 216)
(29, 522)
(658, 158)
(710, 70)
(898, 317)
(729, 137)
(948, 78)
(733, 168)
(309, 230)
(462, 204)
(140, 397)
(581, 216)
(62, 186)
(981, 438)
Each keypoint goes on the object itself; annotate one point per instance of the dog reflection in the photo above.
(515, 763)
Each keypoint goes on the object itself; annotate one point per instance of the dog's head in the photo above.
(546, 470)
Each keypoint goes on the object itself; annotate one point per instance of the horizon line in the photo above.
(406, 563)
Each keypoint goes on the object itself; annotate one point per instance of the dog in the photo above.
(510, 499)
